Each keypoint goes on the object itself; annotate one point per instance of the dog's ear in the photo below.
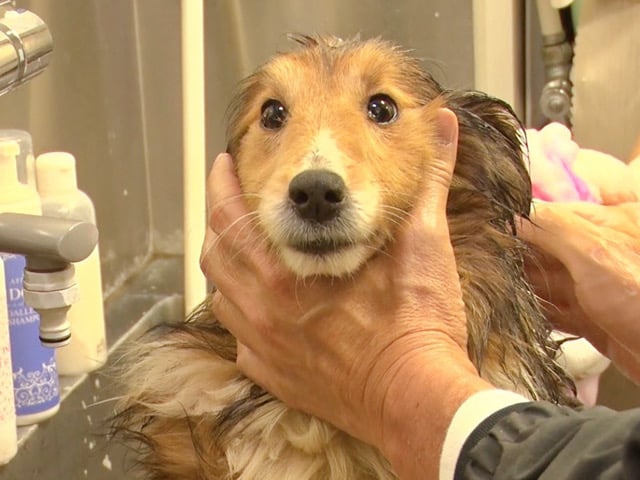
(491, 152)
(239, 114)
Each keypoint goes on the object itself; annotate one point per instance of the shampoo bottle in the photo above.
(35, 378)
(58, 189)
(8, 433)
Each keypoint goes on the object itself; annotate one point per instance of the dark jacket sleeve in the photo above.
(539, 440)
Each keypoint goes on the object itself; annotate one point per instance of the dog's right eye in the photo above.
(274, 115)
(382, 109)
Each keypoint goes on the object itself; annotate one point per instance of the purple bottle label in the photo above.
(35, 377)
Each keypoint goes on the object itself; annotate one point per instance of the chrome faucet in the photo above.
(26, 45)
(50, 246)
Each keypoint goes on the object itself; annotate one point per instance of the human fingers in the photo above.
(263, 373)
(224, 200)
(599, 247)
(552, 228)
(229, 215)
(233, 318)
(428, 217)
(552, 283)
(208, 244)
(611, 178)
(589, 240)
(234, 247)
(224, 206)
(439, 171)
(427, 268)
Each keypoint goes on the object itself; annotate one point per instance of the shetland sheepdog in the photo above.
(330, 142)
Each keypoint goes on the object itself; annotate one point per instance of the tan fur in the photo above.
(194, 415)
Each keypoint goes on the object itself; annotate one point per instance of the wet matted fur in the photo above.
(187, 411)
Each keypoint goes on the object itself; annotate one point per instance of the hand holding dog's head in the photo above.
(410, 294)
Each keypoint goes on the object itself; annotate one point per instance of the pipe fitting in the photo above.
(555, 99)
(51, 294)
(50, 246)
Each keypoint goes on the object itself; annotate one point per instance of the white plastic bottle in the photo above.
(25, 162)
(60, 196)
(35, 378)
(8, 432)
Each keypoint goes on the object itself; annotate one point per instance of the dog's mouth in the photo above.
(324, 239)
(332, 254)
(321, 246)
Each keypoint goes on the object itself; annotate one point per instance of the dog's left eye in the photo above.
(274, 115)
(382, 109)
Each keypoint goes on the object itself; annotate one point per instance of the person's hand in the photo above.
(381, 354)
(588, 270)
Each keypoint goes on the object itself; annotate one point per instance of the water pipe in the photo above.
(557, 55)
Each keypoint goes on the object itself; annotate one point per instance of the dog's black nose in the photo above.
(317, 195)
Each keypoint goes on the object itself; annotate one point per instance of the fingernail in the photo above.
(448, 126)
(220, 160)
(221, 157)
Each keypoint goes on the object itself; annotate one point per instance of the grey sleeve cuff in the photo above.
(539, 440)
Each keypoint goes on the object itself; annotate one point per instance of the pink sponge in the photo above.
(552, 154)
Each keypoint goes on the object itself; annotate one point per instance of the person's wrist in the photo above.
(418, 408)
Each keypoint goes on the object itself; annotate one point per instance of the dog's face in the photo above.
(330, 144)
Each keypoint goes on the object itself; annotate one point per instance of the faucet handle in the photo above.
(48, 243)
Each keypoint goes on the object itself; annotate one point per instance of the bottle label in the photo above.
(7, 408)
(35, 377)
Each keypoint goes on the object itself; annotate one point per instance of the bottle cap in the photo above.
(9, 148)
(56, 173)
(561, 3)
(24, 159)
(15, 196)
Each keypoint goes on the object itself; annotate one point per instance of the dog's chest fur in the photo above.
(192, 415)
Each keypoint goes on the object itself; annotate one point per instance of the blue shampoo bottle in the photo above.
(35, 377)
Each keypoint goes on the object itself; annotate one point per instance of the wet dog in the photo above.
(331, 142)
